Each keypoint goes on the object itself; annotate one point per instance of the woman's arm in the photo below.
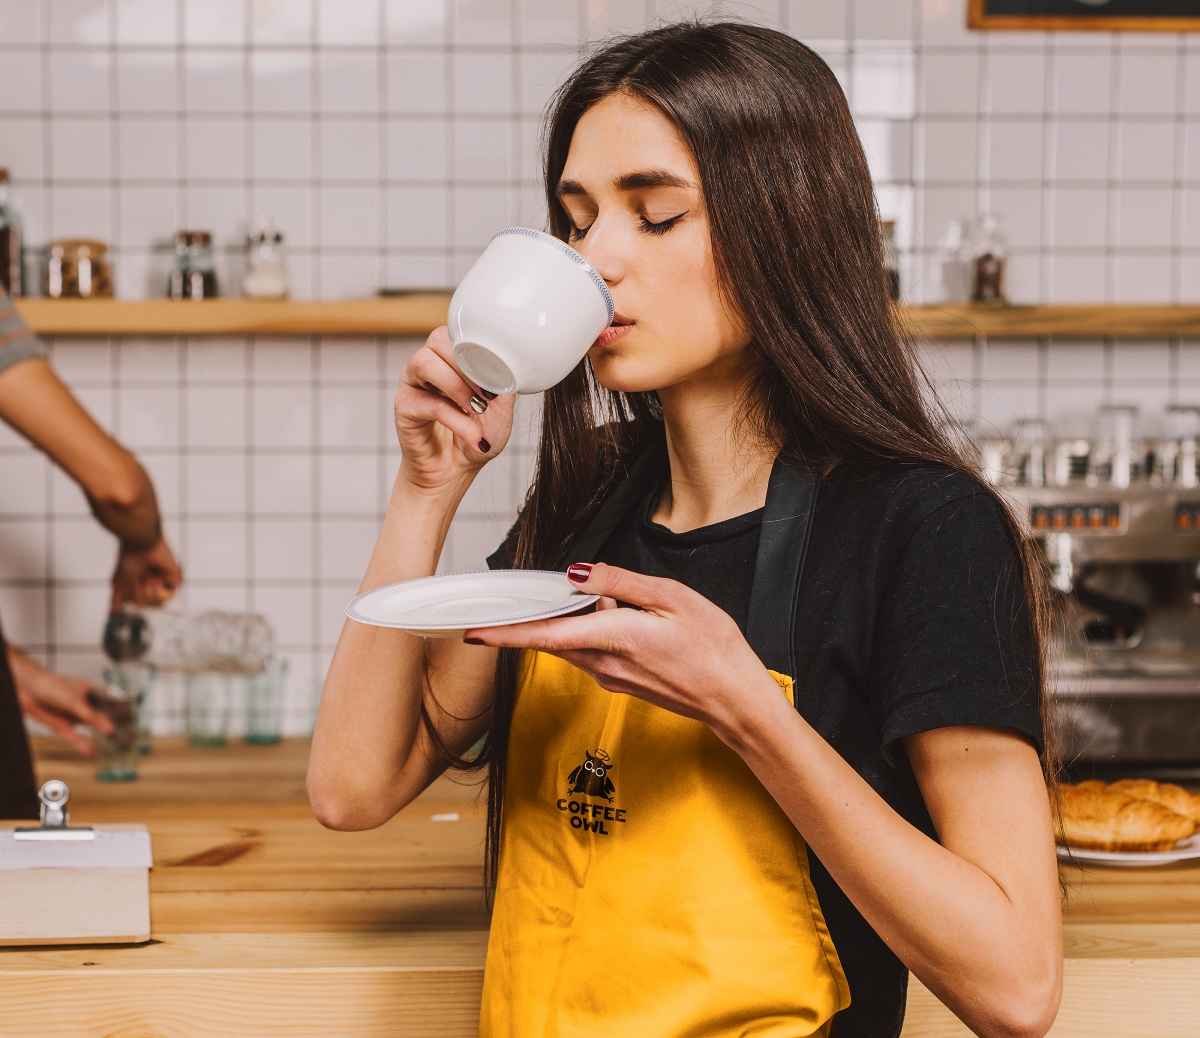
(371, 753)
(976, 917)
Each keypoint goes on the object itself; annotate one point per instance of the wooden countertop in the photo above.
(265, 921)
(420, 314)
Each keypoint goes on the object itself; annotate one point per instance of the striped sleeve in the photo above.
(17, 342)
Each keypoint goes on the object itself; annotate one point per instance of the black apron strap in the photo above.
(638, 482)
(18, 788)
(782, 546)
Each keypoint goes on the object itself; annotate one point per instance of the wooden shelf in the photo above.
(963, 320)
(420, 314)
(407, 315)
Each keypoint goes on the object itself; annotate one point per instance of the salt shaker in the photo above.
(266, 276)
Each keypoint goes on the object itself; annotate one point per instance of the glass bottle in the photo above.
(194, 276)
(266, 276)
(989, 257)
(1177, 453)
(12, 242)
(891, 257)
(953, 264)
(1117, 454)
(234, 643)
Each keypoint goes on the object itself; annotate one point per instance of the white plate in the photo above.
(1184, 850)
(445, 607)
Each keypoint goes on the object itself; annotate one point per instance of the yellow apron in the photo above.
(649, 886)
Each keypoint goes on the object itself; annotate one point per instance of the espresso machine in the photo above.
(1119, 520)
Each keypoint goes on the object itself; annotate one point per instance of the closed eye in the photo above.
(663, 225)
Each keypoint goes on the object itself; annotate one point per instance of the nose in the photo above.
(602, 248)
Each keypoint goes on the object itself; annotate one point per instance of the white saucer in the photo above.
(1184, 850)
(445, 607)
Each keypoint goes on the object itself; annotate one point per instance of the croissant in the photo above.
(1168, 794)
(1096, 817)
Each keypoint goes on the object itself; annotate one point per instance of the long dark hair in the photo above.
(796, 241)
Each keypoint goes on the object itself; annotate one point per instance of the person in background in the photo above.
(34, 401)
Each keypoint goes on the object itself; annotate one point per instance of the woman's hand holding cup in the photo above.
(448, 427)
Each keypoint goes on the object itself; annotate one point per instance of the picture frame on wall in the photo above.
(1077, 15)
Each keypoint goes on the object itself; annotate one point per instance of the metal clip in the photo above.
(55, 817)
(54, 796)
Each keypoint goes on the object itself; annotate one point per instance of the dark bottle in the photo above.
(11, 243)
(193, 276)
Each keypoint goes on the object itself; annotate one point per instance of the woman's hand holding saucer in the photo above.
(676, 650)
(448, 428)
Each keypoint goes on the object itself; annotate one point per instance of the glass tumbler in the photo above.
(117, 752)
(207, 695)
(264, 703)
(136, 679)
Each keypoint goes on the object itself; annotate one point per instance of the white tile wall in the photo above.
(390, 138)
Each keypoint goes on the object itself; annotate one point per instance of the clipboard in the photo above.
(73, 885)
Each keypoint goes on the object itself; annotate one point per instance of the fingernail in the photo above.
(473, 641)
(484, 446)
(487, 393)
(579, 572)
(478, 405)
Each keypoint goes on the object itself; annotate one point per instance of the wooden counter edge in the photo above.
(419, 314)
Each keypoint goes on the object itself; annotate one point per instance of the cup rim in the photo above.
(571, 254)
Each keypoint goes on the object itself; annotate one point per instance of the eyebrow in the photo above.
(629, 182)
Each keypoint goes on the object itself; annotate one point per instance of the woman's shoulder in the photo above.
(892, 495)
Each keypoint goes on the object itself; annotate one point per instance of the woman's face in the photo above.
(631, 191)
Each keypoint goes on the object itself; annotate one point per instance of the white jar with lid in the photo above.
(266, 275)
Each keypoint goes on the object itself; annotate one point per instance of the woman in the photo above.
(809, 761)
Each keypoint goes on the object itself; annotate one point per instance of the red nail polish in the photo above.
(487, 394)
(484, 446)
(473, 641)
(579, 572)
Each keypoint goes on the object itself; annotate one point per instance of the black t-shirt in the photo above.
(911, 616)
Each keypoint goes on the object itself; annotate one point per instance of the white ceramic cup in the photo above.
(526, 313)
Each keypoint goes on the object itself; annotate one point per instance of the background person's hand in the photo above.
(146, 577)
(678, 650)
(57, 701)
(446, 425)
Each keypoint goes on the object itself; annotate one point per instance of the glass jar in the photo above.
(11, 243)
(989, 257)
(952, 265)
(1117, 455)
(266, 276)
(78, 269)
(194, 276)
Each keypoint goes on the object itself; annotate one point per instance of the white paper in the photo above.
(116, 847)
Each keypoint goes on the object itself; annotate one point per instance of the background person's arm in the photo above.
(34, 401)
(57, 701)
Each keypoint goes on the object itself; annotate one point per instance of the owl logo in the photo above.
(592, 777)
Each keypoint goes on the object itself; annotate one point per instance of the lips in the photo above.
(620, 327)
